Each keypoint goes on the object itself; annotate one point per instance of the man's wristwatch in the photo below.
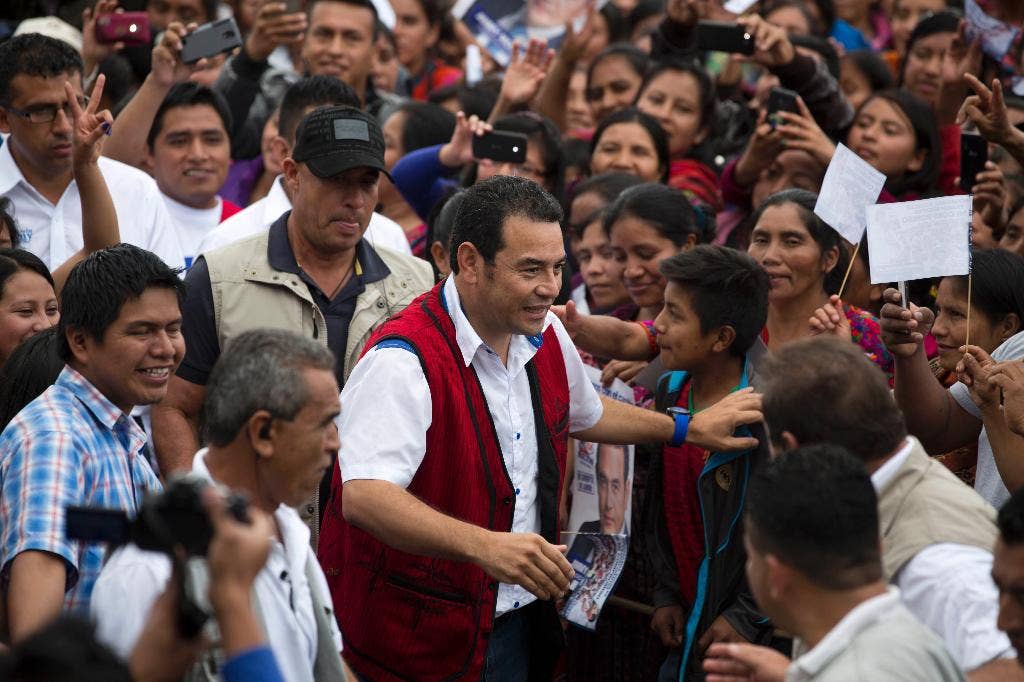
(682, 418)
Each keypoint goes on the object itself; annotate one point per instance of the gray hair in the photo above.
(259, 370)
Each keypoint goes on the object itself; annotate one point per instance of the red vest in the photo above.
(409, 617)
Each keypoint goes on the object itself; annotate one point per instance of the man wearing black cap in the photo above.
(311, 273)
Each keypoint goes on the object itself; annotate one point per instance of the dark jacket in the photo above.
(721, 582)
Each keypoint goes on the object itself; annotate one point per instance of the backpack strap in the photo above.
(669, 386)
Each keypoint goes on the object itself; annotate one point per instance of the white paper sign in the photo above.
(738, 6)
(851, 184)
(920, 239)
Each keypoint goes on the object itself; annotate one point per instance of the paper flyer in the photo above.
(599, 519)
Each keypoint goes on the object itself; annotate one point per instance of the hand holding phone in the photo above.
(210, 39)
(780, 99)
(722, 36)
(501, 146)
(129, 28)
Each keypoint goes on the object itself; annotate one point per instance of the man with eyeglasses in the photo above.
(35, 159)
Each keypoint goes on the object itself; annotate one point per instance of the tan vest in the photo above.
(924, 504)
(248, 294)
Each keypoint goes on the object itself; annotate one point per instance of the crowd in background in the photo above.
(159, 219)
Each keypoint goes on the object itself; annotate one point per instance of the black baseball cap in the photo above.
(332, 140)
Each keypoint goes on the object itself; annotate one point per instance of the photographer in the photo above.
(237, 552)
(269, 418)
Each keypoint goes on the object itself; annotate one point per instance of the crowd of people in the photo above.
(363, 268)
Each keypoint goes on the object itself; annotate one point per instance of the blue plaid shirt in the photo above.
(69, 446)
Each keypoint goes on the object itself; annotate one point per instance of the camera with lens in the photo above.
(166, 520)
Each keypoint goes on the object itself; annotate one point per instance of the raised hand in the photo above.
(459, 150)
(989, 193)
(903, 329)
(1008, 377)
(168, 68)
(801, 131)
(273, 27)
(987, 110)
(831, 319)
(771, 43)
(574, 43)
(973, 372)
(90, 126)
(93, 51)
(764, 145)
(526, 72)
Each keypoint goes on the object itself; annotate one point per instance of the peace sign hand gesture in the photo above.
(89, 126)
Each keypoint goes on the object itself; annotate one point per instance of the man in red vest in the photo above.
(443, 559)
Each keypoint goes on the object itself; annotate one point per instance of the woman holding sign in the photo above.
(805, 261)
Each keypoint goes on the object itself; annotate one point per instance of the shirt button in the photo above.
(508, 500)
(517, 491)
(517, 435)
(515, 605)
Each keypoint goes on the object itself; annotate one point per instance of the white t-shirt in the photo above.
(54, 232)
(987, 480)
(260, 215)
(193, 224)
(390, 381)
(132, 579)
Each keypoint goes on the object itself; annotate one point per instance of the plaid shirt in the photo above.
(69, 446)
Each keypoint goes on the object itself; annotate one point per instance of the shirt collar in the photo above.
(860, 618)
(369, 265)
(277, 202)
(884, 473)
(105, 412)
(521, 349)
(10, 174)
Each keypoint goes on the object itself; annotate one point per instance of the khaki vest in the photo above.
(924, 504)
(249, 294)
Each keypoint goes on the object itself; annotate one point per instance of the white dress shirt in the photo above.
(54, 232)
(259, 216)
(949, 588)
(390, 381)
(132, 580)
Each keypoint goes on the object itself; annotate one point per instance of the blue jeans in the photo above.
(508, 653)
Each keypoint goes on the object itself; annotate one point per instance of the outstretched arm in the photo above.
(99, 219)
(605, 336)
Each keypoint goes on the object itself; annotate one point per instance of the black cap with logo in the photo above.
(332, 140)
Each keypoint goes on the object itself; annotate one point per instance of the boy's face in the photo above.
(683, 345)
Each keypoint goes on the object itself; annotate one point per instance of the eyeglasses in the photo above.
(47, 112)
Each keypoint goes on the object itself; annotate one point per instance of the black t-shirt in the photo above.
(202, 347)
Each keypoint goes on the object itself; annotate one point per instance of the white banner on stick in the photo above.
(851, 184)
(920, 239)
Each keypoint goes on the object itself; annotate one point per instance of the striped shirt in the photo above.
(69, 446)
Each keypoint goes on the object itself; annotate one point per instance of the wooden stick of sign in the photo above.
(853, 258)
(967, 341)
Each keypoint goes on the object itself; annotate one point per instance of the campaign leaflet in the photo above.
(599, 519)
(496, 24)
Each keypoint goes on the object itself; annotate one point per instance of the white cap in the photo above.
(54, 28)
